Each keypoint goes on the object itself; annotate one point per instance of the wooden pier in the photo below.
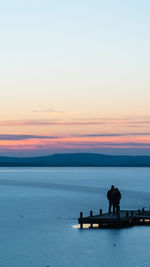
(124, 218)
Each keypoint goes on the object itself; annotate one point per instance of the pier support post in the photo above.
(127, 214)
(100, 211)
(81, 216)
(118, 214)
(143, 210)
(139, 212)
(131, 213)
(91, 215)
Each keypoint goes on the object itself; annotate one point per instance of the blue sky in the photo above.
(85, 60)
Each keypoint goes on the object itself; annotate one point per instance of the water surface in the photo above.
(39, 206)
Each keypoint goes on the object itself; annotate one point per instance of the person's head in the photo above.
(112, 187)
(116, 189)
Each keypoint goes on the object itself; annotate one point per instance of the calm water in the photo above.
(40, 206)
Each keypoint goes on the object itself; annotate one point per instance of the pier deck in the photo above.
(123, 219)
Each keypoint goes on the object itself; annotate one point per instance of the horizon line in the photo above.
(86, 153)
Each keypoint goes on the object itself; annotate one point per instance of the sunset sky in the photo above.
(74, 77)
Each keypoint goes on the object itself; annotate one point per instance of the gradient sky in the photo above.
(74, 77)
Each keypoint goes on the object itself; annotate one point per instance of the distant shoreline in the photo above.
(9, 166)
(77, 160)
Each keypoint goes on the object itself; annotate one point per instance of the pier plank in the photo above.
(123, 219)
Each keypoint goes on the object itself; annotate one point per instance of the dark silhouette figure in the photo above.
(109, 196)
(115, 197)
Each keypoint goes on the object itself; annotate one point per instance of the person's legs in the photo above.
(110, 205)
(118, 208)
(114, 207)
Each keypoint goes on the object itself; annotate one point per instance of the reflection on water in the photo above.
(86, 226)
(39, 208)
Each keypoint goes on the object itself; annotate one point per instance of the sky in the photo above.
(74, 77)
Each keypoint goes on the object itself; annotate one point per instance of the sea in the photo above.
(39, 210)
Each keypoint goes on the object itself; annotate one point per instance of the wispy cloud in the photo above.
(113, 134)
(48, 111)
(76, 145)
(47, 122)
(117, 122)
(82, 144)
(15, 137)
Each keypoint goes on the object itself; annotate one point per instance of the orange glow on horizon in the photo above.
(77, 142)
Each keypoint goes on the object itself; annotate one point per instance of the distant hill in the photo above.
(77, 160)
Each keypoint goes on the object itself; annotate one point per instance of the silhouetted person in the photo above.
(116, 196)
(109, 196)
